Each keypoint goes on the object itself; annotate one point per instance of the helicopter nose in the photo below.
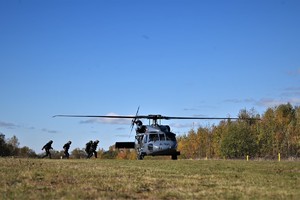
(172, 145)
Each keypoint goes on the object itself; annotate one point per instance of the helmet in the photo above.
(97, 141)
(69, 142)
(50, 141)
(139, 123)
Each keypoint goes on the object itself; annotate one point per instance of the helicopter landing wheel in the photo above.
(174, 157)
(140, 156)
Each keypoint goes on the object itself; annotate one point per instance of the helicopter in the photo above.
(153, 139)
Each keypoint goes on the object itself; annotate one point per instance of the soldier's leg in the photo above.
(47, 154)
(65, 154)
(90, 154)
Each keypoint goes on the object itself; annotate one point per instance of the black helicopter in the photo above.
(153, 139)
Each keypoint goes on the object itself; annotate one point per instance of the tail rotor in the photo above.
(134, 120)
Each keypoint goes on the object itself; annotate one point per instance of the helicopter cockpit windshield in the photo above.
(170, 136)
(153, 137)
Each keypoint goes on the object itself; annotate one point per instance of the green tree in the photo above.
(239, 141)
(218, 133)
(26, 152)
(266, 135)
(5, 150)
(278, 131)
(296, 135)
(284, 115)
(13, 145)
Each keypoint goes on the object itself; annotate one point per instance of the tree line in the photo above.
(277, 131)
(10, 147)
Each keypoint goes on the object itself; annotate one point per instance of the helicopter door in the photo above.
(145, 138)
(163, 145)
(143, 142)
(153, 142)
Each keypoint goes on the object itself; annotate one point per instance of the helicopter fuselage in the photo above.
(155, 140)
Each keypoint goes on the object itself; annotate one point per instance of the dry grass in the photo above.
(148, 179)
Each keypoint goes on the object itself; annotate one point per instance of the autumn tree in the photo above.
(78, 153)
(126, 154)
(181, 146)
(204, 140)
(110, 154)
(266, 135)
(189, 145)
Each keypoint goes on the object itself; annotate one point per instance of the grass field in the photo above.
(148, 179)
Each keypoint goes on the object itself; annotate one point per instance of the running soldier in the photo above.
(66, 149)
(88, 147)
(94, 148)
(47, 148)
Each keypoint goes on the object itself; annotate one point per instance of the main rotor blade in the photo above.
(207, 118)
(211, 118)
(99, 116)
(155, 117)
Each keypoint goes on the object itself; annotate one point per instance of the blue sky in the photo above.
(170, 57)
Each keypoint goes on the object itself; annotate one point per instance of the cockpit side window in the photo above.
(145, 138)
(162, 137)
(170, 136)
(153, 137)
